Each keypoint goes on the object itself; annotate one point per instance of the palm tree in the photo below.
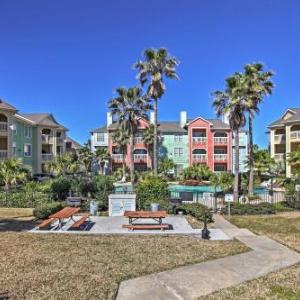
(121, 138)
(129, 106)
(85, 157)
(257, 85)
(165, 165)
(231, 102)
(294, 160)
(102, 157)
(156, 66)
(64, 164)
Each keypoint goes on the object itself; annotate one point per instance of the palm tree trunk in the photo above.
(236, 167)
(155, 158)
(131, 160)
(123, 163)
(251, 171)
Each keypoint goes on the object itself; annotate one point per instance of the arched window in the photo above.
(199, 151)
(3, 118)
(140, 151)
(220, 134)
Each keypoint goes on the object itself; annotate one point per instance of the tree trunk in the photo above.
(251, 171)
(123, 163)
(236, 167)
(131, 160)
(155, 152)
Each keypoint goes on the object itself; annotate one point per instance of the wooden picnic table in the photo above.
(65, 213)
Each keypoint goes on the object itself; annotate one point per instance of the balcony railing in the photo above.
(199, 157)
(140, 157)
(199, 139)
(279, 156)
(47, 139)
(117, 157)
(221, 140)
(279, 138)
(47, 156)
(295, 134)
(59, 140)
(3, 126)
(3, 154)
(220, 157)
(138, 140)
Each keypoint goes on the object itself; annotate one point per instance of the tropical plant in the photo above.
(196, 172)
(222, 180)
(85, 157)
(231, 102)
(294, 161)
(165, 165)
(129, 106)
(60, 188)
(64, 164)
(156, 66)
(102, 157)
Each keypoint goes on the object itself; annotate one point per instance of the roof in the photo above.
(75, 144)
(100, 130)
(218, 124)
(6, 106)
(43, 119)
(294, 118)
(171, 126)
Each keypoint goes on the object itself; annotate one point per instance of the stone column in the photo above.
(288, 150)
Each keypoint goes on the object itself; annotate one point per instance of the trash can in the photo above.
(154, 207)
(93, 208)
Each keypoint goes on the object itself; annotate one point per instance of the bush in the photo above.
(152, 190)
(250, 209)
(60, 188)
(197, 210)
(197, 172)
(45, 210)
(87, 187)
(293, 201)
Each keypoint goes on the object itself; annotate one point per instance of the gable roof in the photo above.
(294, 118)
(6, 106)
(99, 130)
(75, 144)
(171, 127)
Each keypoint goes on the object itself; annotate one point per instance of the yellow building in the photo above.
(285, 137)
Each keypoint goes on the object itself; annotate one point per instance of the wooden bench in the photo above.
(78, 223)
(146, 226)
(45, 223)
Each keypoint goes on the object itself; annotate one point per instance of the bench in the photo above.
(78, 223)
(146, 226)
(45, 223)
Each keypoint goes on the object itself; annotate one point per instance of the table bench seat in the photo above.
(146, 226)
(45, 223)
(78, 223)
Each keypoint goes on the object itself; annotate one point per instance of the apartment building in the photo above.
(33, 138)
(285, 137)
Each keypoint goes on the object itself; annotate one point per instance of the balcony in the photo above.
(140, 158)
(199, 158)
(279, 156)
(117, 158)
(221, 140)
(279, 138)
(3, 126)
(138, 140)
(221, 157)
(295, 135)
(3, 154)
(47, 139)
(47, 156)
(199, 139)
(59, 140)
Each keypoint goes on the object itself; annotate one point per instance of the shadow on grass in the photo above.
(16, 224)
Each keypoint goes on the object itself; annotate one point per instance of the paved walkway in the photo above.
(193, 281)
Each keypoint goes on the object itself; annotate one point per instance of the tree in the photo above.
(257, 85)
(294, 160)
(85, 157)
(102, 157)
(165, 165)
(153, 70)
(129, 106)
(64, 164)
(223, 180)
(196, 172)
(231, 102)
(121, 138)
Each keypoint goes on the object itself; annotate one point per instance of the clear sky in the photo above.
(68, 56)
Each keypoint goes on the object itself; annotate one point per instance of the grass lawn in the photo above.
(60, 266)
(284, 284)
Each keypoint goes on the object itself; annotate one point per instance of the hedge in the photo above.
(197, 210)
(47, 209)
(250, 209)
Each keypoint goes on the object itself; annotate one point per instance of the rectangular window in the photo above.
(177, 138)
(178, 152)
(27, 150)
(28, 132)
(100, 137)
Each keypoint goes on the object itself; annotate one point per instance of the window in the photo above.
(178, 152)
(28, 132)
(100, 137)
(27, 150)
(14, 128)
(177, 138)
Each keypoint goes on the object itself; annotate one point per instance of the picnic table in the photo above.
(157, 216)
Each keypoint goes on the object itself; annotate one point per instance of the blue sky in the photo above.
(68, 56)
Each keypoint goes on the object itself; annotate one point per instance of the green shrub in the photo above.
(293, 201)
(197, 210)
(250, 209)
(87, 187)
(152, 190)
(60, 188)
(45, 210)
(197, 172)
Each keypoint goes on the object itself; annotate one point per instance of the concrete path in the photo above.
(193, 281)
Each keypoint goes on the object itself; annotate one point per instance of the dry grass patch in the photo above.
(196, 224)
(59, 266)
(6, 212)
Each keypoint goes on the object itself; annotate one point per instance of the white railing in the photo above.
(138, 140)
(295, 134)
(47, 156)
(59, 140)
(3, 154)
(199, 139)
(140, 157)
(279, 138)
(117, 157)
(46, 138)
(3, 126)
(279, 156)
(220, 140)
(220, 157)
(199, 157)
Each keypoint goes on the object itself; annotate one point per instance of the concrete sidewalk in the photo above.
(193, 281)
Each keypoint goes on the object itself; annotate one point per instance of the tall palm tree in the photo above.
(121, 138)
(102, 157)
(257, 85)
(294, 160)
(64, 164)
(156, 66)
(231, 102)
(86, 158)
(129, 106)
